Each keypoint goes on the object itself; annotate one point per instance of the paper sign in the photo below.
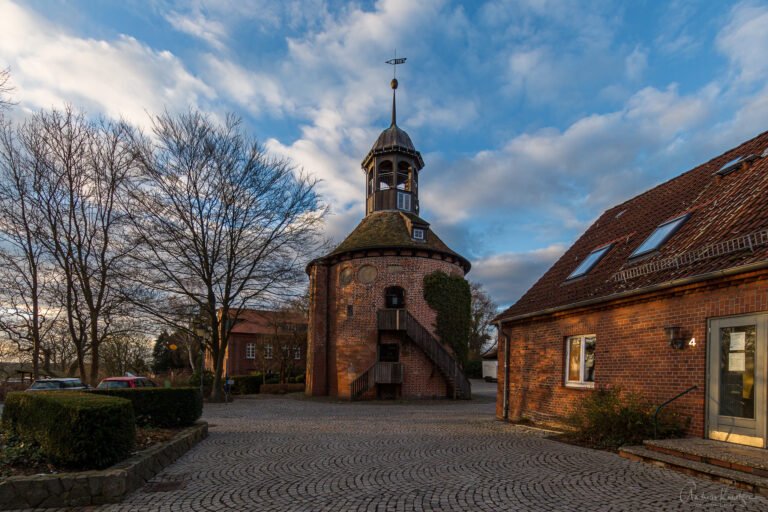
(738, 341)
(736, 362)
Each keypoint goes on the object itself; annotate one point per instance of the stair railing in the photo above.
(659, 408)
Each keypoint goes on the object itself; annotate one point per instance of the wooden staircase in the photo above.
(402, 320)
(379, 373)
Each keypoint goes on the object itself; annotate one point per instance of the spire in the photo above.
(393, 84)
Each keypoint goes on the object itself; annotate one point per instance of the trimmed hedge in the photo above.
(161, 407)
(78, 430)
(281, 389)
(246, 384)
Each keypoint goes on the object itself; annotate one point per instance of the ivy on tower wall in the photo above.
(451, 298)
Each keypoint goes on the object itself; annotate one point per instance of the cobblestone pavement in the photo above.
(297, 454)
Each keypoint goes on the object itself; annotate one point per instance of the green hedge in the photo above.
(161, 407)
(78, 430)
(246, 384)
(281, 389)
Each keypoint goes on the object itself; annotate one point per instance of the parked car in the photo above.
(126, 382)
(58, 384)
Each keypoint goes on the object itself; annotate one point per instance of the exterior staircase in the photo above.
(739, 466)
(379, 373)
(402, 320)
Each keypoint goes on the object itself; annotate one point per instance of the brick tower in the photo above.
(371, 332)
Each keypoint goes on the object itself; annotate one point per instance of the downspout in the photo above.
(505, 388)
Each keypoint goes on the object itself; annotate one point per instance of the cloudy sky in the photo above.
(533, 116)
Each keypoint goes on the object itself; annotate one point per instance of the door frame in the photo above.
(739, 431)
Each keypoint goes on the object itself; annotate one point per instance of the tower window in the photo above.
(386, 175)
(394, 297)
(404, 201)
(418, 234)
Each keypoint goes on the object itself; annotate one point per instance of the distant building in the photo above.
(666, 291)
(267, 341)
(371, 332)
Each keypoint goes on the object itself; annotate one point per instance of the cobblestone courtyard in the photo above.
(296, 454)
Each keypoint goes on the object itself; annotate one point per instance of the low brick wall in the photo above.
(97, 487)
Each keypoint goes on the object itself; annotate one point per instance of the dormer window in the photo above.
(590, 261)
(418, 234)
(660, 235)
(404, 201)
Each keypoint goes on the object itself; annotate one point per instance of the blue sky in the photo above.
(533, 116)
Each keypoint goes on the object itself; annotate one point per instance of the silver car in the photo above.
(57, 384)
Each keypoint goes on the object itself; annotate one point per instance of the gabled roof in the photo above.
(727, 228)
(262, 321)
(393, 229)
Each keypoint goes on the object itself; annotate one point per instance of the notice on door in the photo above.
(738, 341)
(736, 362)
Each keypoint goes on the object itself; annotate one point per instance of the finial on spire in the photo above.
(393, 84)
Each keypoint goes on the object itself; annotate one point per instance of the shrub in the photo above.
(272, 379)
(79, 430)
(300, 379)
(194, 381)
(246, 384)
(608, 418)
(474, 369)
(161, 407)
(450, 297)
(281, 389)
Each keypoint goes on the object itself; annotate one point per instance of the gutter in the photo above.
(505, 388)
(648, 289)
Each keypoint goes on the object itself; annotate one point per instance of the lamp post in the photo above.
(201, 333)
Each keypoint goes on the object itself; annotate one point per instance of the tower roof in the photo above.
(393, 140)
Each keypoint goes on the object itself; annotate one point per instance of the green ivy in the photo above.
(451, 298)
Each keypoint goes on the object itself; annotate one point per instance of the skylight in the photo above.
(590, 261)
(660, 235)
(734, 164)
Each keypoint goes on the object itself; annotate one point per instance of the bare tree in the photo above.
(85, 165)
(25, 269)
(218, 223)
(484, 309)
(5, 88)
(126, 352)
(288, 338)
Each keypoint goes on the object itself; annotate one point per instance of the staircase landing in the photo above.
(740, 466)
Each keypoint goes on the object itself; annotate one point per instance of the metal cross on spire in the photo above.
(394, 62)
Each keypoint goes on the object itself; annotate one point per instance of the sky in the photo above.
(533, 116)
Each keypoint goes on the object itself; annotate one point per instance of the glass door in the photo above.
(737, 380)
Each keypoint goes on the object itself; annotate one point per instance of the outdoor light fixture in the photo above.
(675, 335)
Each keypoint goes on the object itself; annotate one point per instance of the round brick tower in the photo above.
(371, 332)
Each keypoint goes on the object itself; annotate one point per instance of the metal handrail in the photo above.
(659, 408)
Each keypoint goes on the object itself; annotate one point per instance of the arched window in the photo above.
(370, 182)
(402, 176)
(394, 297)
(386, 177)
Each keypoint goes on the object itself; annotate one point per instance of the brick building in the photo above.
(370, 328)
(664, 292)
(267, 341)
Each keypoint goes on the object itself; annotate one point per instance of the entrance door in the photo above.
(737, 379)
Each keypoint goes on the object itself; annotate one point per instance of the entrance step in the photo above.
(742, 480)
(727, 455)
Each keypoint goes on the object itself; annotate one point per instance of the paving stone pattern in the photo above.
(297, 454)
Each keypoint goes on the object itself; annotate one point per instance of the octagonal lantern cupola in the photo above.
(392, 169)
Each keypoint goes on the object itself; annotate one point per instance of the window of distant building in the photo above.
(250, 351)
(580, 361)
(268, 351)
(590, 261)
(297, 352)
(660, 236)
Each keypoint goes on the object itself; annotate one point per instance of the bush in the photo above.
(194, 381)
(79, 430)
(474, 369)
(281, 389)
(246, 384)
(608, 418)
(272, 379)
(161, 407)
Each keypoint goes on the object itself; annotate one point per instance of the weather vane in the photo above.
(394, 62)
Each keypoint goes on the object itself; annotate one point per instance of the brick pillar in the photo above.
(317, 333)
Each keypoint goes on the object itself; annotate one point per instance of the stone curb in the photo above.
(98, 487)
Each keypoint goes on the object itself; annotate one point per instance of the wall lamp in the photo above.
(675, 336)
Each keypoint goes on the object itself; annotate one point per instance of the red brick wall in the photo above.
(632, 350)
(352, 340)
(238, 364)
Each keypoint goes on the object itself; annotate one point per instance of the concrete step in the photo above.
(727, 455)
(739, 479)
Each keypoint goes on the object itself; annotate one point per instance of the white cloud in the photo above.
(122, 77)
(636, 63)
(197, 25)
(744, 40)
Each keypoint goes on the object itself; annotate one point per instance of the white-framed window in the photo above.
(268, 351)
(418, 234)
(404, 201)
(250, 351)
(580, 361)
(297, 353)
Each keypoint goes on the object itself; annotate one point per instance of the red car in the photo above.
(126, 382)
